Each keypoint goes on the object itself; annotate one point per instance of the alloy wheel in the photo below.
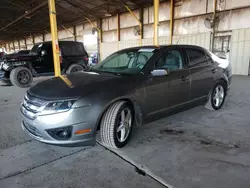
(124, 126)
(23, 77)
(218, 96)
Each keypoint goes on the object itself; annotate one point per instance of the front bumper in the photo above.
(37, 128)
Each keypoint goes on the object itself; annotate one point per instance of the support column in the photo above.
(19, 46)
(214, 25)
(43, 37)
(14, 46)
(142, 23)
(55, 45)
(33, 39)
(74, 33)
(171, 21)
(118, 30)
(25, 43)
(156, 22)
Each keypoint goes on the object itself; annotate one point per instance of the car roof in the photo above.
(164, 46)
(60, 42)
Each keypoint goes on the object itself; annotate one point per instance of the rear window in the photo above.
(196, 57)
(35, 48)
(73, 49)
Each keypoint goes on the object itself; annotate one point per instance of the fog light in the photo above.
(63, 133)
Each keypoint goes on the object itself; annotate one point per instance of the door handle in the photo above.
(184, 78)
(214, 70)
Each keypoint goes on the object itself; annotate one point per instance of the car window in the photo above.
(171, 60)
(196, 57)
(130, 61)
(73, 49)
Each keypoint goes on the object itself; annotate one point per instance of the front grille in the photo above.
(32, 130)
(32, 105)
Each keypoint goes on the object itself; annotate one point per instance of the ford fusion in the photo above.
(128, 88)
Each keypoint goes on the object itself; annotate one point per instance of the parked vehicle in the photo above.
(128, 88)
(19, 68)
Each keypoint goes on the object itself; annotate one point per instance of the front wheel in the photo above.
(217, 96)
(117, 124)
(21, 77)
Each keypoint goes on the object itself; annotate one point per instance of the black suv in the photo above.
(19, 69)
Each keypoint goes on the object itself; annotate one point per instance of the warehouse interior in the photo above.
(197, 147)
(108, 26)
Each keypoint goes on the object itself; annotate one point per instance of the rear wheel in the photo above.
(217, 96)
(116, 125)
(21, 77)
(76, 68)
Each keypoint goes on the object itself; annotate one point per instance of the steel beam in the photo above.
(156, 22)
(138, 20)
(171, 21)
(55, 45)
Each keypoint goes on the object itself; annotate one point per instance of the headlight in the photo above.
(57, 107)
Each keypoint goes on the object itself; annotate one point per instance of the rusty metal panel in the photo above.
(38, 39)
(239, 54)
(65, 33)
(190, 26)
(148, 41)
(79, 28)
(128, 44)
(105, 24)
(109, 36)
(29, 41)
(109, 23)
(128, 20)
(148, 31)
(108, 48)
(240, 19)
(186, 8)
(200, 39)
(229, 4)
(128, 34)
(47, 37)
(145, 15)
(164, 11)
(29, 46)
(89, 25)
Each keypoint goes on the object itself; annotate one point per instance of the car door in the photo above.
(172, 90)
(37, 63)
(202, 72)
(47, 58)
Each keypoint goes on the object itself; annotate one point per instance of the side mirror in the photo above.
(159, 72)
(43, 52)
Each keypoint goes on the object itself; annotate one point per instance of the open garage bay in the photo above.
(195, 148)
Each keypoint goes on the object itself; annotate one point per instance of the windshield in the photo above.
(35, 48)
(125, 62)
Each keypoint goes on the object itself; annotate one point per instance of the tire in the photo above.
(75, 68)
(217, 96)
(112, 128)
(21, 77)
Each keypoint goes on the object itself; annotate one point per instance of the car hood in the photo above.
(78, 85)
(21, 57)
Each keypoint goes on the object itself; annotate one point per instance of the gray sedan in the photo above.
(128, 88)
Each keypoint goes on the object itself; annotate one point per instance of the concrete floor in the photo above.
(195, 148)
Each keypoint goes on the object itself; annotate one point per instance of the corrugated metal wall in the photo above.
(240, 51)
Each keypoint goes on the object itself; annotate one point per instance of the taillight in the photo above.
(60, 56)
(86, 59)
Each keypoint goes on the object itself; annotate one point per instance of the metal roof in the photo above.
(21, 18)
